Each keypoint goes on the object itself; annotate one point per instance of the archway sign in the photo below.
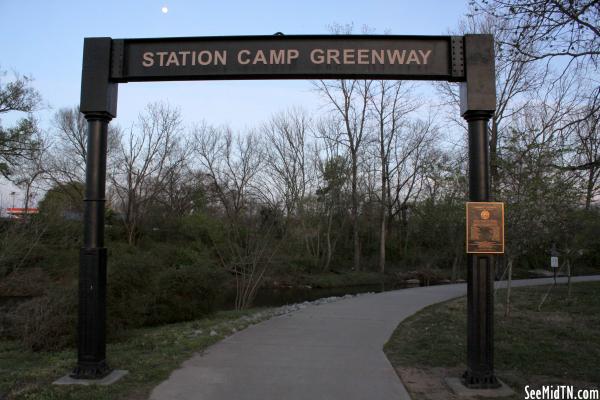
(107, 62)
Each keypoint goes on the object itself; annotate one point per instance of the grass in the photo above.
(558, 345)
(149, 354)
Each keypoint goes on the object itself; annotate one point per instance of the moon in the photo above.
(164, 9)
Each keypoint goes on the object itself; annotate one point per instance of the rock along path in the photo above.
(331, 351)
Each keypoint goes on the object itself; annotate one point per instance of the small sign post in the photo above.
(485, 227)
(554, 260)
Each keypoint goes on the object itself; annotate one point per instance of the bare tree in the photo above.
(232, 163)
(250, 237)
(584, 139)
(30, 171)
(291, 173)
(287, 157)
(560, 35)
(408, 167)
(351, 100)
(181, 190)
(391, 101)
(332, 192)
(545, 29)
(146, 157)
(65, 159)
(516, 78)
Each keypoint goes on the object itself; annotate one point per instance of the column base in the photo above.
(460, 390)
(485, 380)
(90, 370)
(109, 379)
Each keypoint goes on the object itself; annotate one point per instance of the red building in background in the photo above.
(15, 212)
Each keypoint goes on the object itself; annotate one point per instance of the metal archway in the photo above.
(107, 62)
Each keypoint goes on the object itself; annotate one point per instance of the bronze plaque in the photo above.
(485, 227)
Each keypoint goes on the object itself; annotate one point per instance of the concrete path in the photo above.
(326, 352)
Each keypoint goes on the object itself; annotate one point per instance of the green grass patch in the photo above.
(558, 344)
(149, 354)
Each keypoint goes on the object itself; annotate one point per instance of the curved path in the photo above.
(327, 352)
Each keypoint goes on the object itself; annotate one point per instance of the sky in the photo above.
(44, 40)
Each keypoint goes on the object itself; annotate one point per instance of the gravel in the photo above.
(290, 308)
(260, 316)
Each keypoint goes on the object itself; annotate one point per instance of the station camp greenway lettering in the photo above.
(348, 56)
(287, 57)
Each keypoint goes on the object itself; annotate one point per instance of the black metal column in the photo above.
(91, 352)
(480, 274)
(99, 105)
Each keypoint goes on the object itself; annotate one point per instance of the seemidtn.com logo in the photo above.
(561, 392)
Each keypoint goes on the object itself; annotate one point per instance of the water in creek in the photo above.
(265, 297)
(275, 297)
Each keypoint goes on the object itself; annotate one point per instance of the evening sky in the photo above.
(44, 40)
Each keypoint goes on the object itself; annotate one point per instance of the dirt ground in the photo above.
(429, 383)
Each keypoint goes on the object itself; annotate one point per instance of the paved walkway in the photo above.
(326, 352)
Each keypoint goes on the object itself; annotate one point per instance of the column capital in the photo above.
(478, 92)
(477, 115)
(98, 116)
(98, 92)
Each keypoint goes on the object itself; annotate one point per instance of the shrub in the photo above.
(131, 277)
(186, 292)
(160, 284)
(24, 282)
(46, 322)
(157, 285)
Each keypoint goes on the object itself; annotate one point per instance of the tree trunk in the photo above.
(130, 236)
(589, 194)
(569, 280)
(383, 222)
(493, 155)
(507, 310)
(382, 241)
(328, 240)
(130, 228)
(405, 227)
(454, 275)
(384, 175)
(27, 190)
(355, 222)
(309, 242)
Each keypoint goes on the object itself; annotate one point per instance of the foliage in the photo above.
(163, 285)
(536, 196)
(160, 284)
(17, 142)
(20, 243)
(64, 201)
(185, 293)
(46, 322)
(434, 224)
